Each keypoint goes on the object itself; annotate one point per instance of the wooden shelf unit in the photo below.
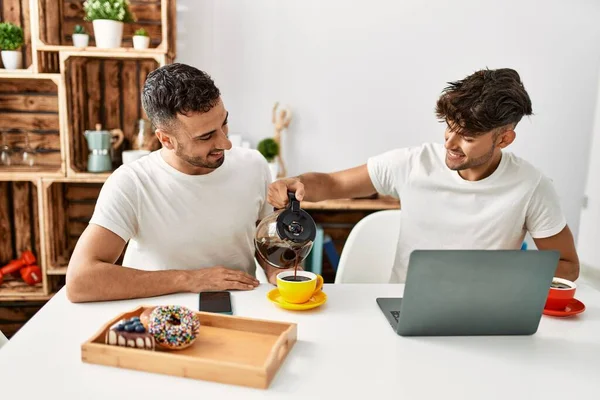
(29, 110)
(68, 206)
(50, 39)
(57, 271)
(155, 16)
(104, 90)
(21, 228)
(61, 92)
(377, 204)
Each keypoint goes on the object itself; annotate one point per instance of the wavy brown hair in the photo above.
(484, 101)
(177, 89)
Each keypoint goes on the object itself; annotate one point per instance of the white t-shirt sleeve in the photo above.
(544, 214)
(388, 171)
(117, 205)
(266, 208)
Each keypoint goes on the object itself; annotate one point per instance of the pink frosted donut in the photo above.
(173, 327)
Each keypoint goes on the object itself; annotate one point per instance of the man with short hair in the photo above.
(465, 194)
(187, 211)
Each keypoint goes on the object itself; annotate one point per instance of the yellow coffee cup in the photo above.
(300, 288)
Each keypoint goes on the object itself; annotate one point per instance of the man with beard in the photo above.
(187, 211)
(465, 194)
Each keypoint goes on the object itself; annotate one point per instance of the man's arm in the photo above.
(568, 266)
(313, 186)
(93, 276)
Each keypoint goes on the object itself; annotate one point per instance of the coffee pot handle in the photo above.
(294, 203)
(120, 137)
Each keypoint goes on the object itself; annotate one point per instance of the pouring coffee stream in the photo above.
(285, 238)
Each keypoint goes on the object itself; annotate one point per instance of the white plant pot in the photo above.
(141, 42)
(274, 167)
(81, 40)
(107, 33)
(12, 59)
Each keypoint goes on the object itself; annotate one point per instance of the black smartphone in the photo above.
(216, 302)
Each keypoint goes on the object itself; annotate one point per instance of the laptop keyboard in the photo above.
(395, 314)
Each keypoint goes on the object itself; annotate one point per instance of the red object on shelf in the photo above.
(31, 274)
(27, 259)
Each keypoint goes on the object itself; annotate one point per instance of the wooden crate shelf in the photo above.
(12, 73)
(157, 17)
(20, 230)
(57, 271)
(68, 208)
(29, 109)
(89, 177)
(105, 91)
(16, 289)
(18, 12)
(98, 51)
(14, 313)
(53, 57)
(60, 92)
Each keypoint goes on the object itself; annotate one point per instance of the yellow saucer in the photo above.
(315, 301)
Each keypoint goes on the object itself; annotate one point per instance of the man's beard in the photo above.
(474, 163)
(199, 162)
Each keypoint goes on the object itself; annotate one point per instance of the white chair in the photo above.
(369, 252)
(3, 339)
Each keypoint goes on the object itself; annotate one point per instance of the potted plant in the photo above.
(11, 40)
(108, 17)
(270, 150)
(141, 39)
(80, 37)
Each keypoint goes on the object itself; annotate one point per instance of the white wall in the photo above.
(589, 232)
(363, 76)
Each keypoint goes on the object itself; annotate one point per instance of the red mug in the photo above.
(560, 295)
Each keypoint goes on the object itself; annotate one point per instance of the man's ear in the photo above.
(506, 138)
(166, 140)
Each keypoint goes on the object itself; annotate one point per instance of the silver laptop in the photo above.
(472, 292)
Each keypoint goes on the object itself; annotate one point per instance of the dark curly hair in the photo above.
(484, 101)
(177, 89)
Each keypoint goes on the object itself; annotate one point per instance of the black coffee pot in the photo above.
(284, 238)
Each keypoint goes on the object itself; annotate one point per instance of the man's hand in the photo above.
(220, 278)
(277, 195)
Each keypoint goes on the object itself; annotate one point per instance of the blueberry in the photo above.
(140, 329)
(129, 328)
(135, 319)
(121, 327)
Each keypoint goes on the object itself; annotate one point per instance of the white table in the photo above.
(346, 350)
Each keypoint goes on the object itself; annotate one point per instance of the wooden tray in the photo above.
(229, 349)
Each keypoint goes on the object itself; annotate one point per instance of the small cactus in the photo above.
(141, 32)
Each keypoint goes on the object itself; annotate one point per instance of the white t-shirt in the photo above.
(441, 210)
(177, 221)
